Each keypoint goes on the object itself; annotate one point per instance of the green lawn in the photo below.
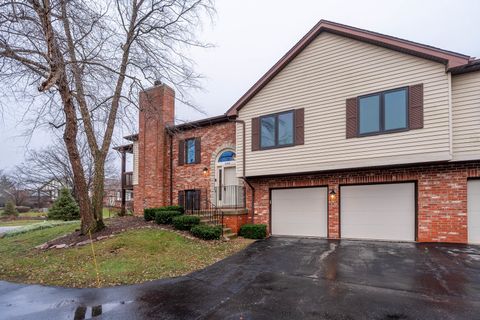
(130, 257)
(11, 223)
(32, 214)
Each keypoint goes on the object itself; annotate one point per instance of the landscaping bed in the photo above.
(139, 251)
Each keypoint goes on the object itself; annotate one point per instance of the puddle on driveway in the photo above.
(89, 312)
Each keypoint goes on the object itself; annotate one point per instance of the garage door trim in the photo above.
(296, 187)
(468, 220)
(415, 183)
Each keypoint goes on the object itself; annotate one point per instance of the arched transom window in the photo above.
(227, 156)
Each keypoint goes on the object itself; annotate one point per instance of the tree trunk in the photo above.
(98, 190)
(70, 138)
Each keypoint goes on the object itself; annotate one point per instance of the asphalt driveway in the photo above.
(283, 278)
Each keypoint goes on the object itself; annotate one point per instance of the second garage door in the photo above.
(299, 212)
(381, 211)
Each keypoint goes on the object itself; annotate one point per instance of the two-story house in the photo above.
(351, 134)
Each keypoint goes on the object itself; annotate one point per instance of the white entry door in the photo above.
(299, 212)
(380, 211)
(473, 211)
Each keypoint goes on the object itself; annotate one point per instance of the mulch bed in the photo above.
(114, 226)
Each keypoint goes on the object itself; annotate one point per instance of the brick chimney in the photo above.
(157, 111)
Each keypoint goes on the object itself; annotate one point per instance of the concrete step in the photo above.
(229, 235)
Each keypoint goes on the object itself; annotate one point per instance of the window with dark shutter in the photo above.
(181, 152)
(299, 126)
(415, 106)
(198, 152)
(387, 111)
(255, 134)
(351, 126)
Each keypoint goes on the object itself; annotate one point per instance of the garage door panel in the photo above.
(473, 219)
(383, 211)
(299, 212)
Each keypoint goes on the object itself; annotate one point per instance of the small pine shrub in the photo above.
(64, 208)
(207, 232)
(149, 213)
(185, 222)
(10, 209)
(253, 231)
(165, 217)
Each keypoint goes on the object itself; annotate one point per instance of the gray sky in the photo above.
(251, 35)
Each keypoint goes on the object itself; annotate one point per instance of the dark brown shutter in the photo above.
(255, 134)
(181, 152)
(198, 150)
(181, 198)
(351, 126)
(299, 126)
(415, 106)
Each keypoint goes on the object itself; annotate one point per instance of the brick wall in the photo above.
(214, 139)
(442, 196)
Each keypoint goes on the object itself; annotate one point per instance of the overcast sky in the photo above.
(251, 35)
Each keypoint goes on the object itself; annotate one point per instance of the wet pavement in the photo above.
(283, 278)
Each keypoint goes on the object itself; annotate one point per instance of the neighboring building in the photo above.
(352, 134)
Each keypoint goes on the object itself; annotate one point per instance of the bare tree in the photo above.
(88, 60)
(12, 188)
(52, 164)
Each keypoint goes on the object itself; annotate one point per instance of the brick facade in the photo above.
(214, 139)
(154, 143)
(442, 196)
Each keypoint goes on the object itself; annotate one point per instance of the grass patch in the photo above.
(32, 214)
(130, 257)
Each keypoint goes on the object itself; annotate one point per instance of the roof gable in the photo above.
(449, 58)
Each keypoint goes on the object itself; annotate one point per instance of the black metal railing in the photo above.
(230, 196)
(196, 202)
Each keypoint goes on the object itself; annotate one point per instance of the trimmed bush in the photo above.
(149, 213)
(185, 222)
(253, 231)
(10, 209)
(172, 208)
(23, 209)
(165, 217)
(207, 232)
(64, 208)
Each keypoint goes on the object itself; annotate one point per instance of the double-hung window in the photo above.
(277, 130)
(383, 112)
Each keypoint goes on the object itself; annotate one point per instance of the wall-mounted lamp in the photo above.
(333, 195)
(205, 172)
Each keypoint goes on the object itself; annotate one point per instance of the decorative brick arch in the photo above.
(213, 160)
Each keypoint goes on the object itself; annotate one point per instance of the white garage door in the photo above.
(299, 212)
(381, 211)
(473, 200)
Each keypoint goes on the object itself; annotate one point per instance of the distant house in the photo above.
(351, 134)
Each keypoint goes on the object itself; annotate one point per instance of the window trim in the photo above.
(185, 151)
(382, 113)
(276, 115)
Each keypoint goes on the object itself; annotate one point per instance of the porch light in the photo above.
(205, 172)
(332, 195)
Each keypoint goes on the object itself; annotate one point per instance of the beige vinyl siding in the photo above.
(466, 116)
(327, 72)
(135, 163)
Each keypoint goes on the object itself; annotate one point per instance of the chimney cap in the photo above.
(157, 82)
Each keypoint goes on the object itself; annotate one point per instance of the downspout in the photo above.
(450, 115)
(244, 178)
(171, 166)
